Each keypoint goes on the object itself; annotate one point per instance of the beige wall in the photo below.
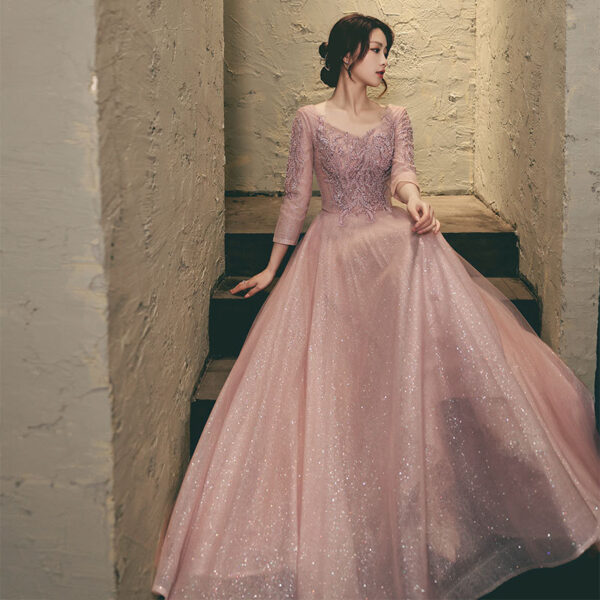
(113, 219)
(536, 153)
(161, 158)
(57, 481)
(518, 167)
(484, 83)
(581, 203)
(112, 233)
(272, 66)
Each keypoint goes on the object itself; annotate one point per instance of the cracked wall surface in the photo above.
(272, 67)
(160, 100)
(534, 151)
(57, 510)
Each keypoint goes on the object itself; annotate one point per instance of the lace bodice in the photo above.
(356, 174)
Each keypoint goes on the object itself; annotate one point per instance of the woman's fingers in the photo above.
(252, 291)
(434, 226)
(241, 286)
(425, 221)
(246, 284)
(420, 220)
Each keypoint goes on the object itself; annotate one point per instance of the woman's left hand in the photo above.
(422, 213)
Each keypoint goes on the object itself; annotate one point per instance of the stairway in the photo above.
(473, 230)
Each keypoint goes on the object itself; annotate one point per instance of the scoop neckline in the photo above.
(349, 133)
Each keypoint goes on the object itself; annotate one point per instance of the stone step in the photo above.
(231, 315)
(473, 230)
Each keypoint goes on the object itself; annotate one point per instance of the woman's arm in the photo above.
(298, 182)
(277, 253)
(298, 192)
(403, 180)
(406, 191)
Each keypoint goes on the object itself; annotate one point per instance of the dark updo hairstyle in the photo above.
(344, 37)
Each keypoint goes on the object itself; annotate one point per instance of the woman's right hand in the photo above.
(256, 283)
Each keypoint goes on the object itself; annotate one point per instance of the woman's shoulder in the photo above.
(397, 109)
(309, 109)
(305, 111)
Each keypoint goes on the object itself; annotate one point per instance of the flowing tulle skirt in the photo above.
(393, 428)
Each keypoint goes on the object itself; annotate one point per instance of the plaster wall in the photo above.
(161, 156)
(537, 155)
(113, 222)
(581, 202)
(272, 66)
(484, 83)
(57, 510)
(518, 163)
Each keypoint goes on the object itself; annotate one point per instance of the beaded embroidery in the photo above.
(298, 182)
(360, 170)
(357, 167)
(296, 156)
(404, 155)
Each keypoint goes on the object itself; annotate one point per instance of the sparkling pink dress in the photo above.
(393, 428)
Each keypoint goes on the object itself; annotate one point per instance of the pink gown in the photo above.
(393, 428)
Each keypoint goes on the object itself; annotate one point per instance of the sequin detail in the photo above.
(392, 429)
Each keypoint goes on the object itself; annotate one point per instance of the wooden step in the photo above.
(230, 320)
(231, 316)
(473, 230)
(206, 392)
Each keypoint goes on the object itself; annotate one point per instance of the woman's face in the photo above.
(370, 69)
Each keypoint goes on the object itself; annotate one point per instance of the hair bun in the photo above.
(323, 49)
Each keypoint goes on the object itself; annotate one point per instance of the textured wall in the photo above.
(581, 205)
(160, 68)
(484, 83)
(519, 164)
(272, 66)
(56, 515)
(536, 156)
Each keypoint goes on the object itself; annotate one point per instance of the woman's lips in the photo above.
(380, 73)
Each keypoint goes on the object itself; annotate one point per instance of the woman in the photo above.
(393, 427)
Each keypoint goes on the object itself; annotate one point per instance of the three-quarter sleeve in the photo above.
(403, 163)
(298, 182)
